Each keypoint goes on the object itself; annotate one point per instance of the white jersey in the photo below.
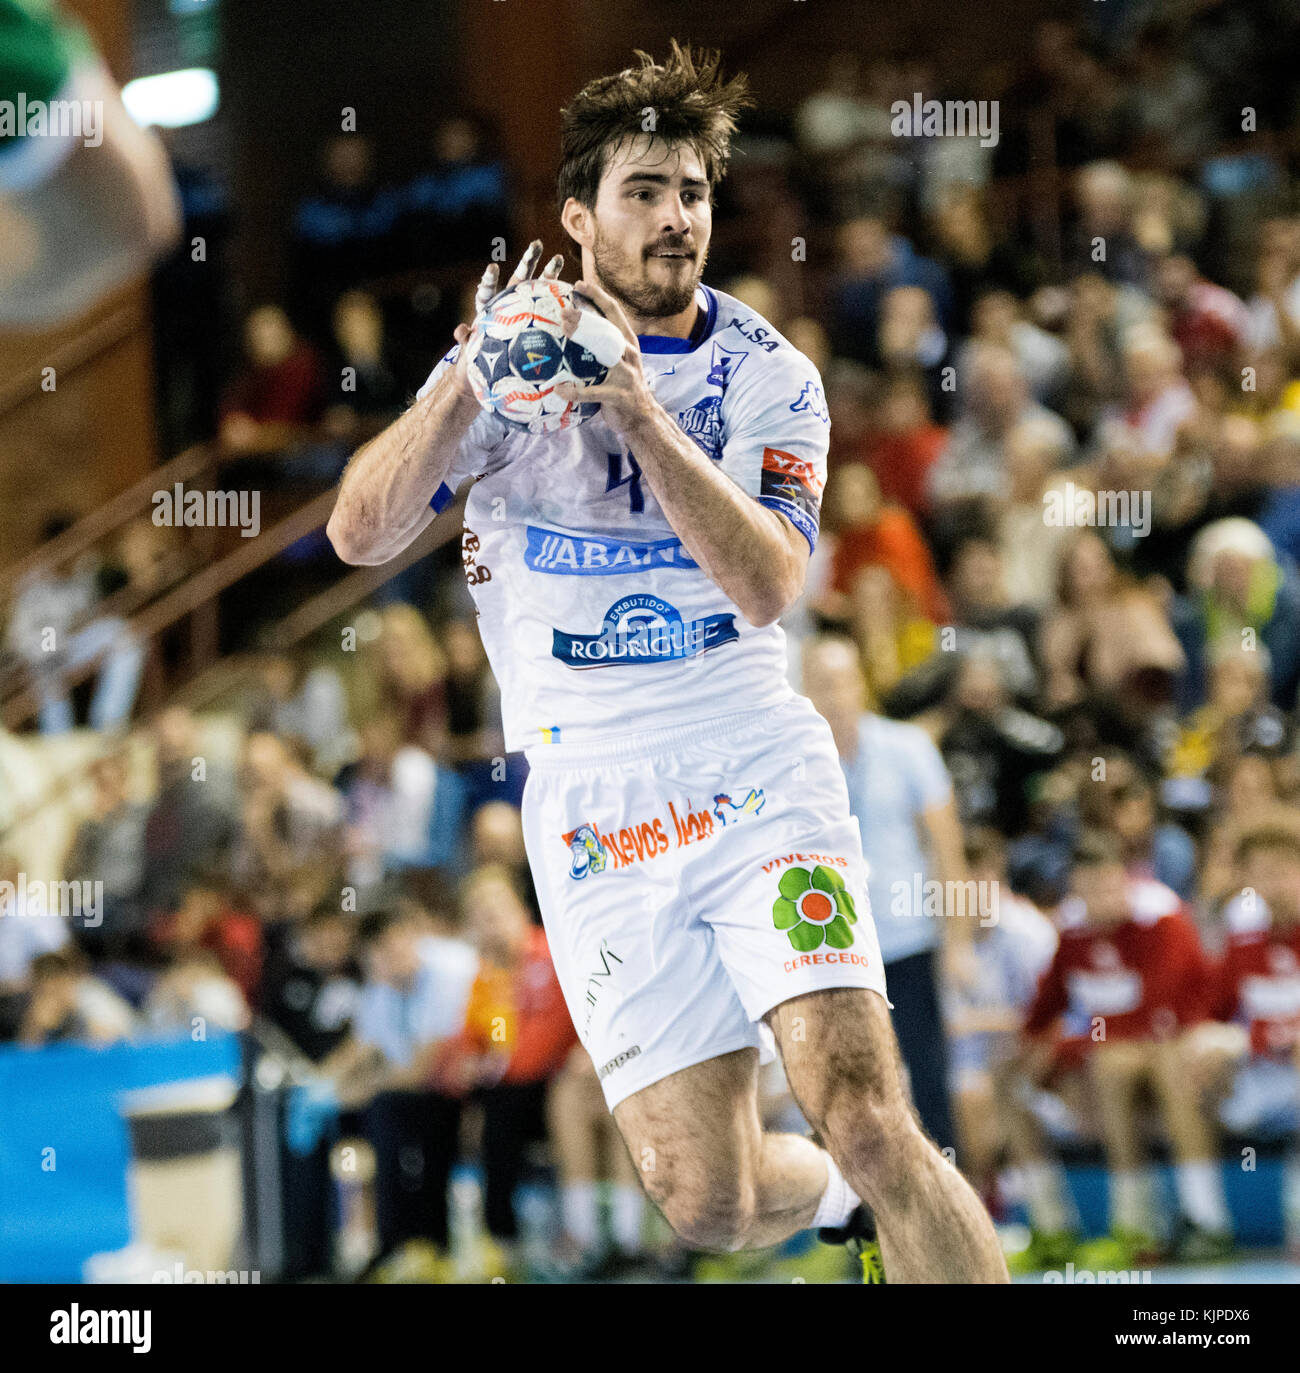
(594, 618)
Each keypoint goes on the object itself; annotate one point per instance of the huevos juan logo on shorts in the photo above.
(814, 908)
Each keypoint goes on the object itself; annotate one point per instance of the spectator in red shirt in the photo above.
(871, 532)
(210, 917)
(1248, 1069)
(1206, 321)
(905, 443)
(280, 392)
(1128, 977)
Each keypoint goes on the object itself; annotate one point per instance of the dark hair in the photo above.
(972, 527)
(376, 925)
(1269, 834)
(984, 845)
(691, 102)
(1096, 849)
(58, 523)
(432, 889)
(325, 915)
(56, 963)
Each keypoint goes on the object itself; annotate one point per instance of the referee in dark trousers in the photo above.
(901, 795)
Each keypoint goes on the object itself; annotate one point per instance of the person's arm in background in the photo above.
(942, 829)
(939, 830)
(354, 1067)
(1036, 1042)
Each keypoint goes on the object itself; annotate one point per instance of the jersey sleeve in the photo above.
(1050, 998)
(481, 440)
(776, 431)
(1195, 995)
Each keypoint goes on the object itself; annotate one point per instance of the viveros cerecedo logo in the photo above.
(814, 908)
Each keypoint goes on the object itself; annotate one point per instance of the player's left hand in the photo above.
(624, 396)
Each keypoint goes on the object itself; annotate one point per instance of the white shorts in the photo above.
(693, 878)
(1264, 1098)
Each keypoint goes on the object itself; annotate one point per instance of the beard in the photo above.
(625, 278)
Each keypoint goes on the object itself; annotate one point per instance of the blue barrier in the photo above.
(65, 1147)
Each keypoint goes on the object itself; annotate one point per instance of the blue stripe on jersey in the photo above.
(805, 523)
(441, 498)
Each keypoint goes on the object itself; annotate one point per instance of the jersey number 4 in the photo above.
(632, 481)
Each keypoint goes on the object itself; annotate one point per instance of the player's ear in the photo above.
(577, 221)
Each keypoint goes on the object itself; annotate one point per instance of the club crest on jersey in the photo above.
(643, 629)
(703, 423)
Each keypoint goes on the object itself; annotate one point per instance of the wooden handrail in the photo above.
(197, 591)
(292, 630)
(123, 507)
(326, 605)
(75, 354)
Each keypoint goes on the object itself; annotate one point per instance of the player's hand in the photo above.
(487, 288)
(624, 396)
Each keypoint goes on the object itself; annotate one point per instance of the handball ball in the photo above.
(519, 353)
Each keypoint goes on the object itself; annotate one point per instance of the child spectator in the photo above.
(1128, 976)
(1255, 1055)
(517, 1036)
(984, 1016)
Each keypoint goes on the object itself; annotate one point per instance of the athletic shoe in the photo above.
(1194, 1244)
(858, 1236)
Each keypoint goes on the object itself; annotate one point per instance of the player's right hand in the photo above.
(487, 288)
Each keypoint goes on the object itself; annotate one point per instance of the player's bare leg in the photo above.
(722, 1183)
(589, 1154)
(841, 1059)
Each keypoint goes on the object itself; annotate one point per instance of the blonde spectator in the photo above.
(1031, 547)
(1158, 401)
(1239, 589)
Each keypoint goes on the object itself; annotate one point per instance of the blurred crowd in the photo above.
(1053, 619)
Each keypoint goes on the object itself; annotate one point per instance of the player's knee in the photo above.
(717, 1216)
(866, 1127)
